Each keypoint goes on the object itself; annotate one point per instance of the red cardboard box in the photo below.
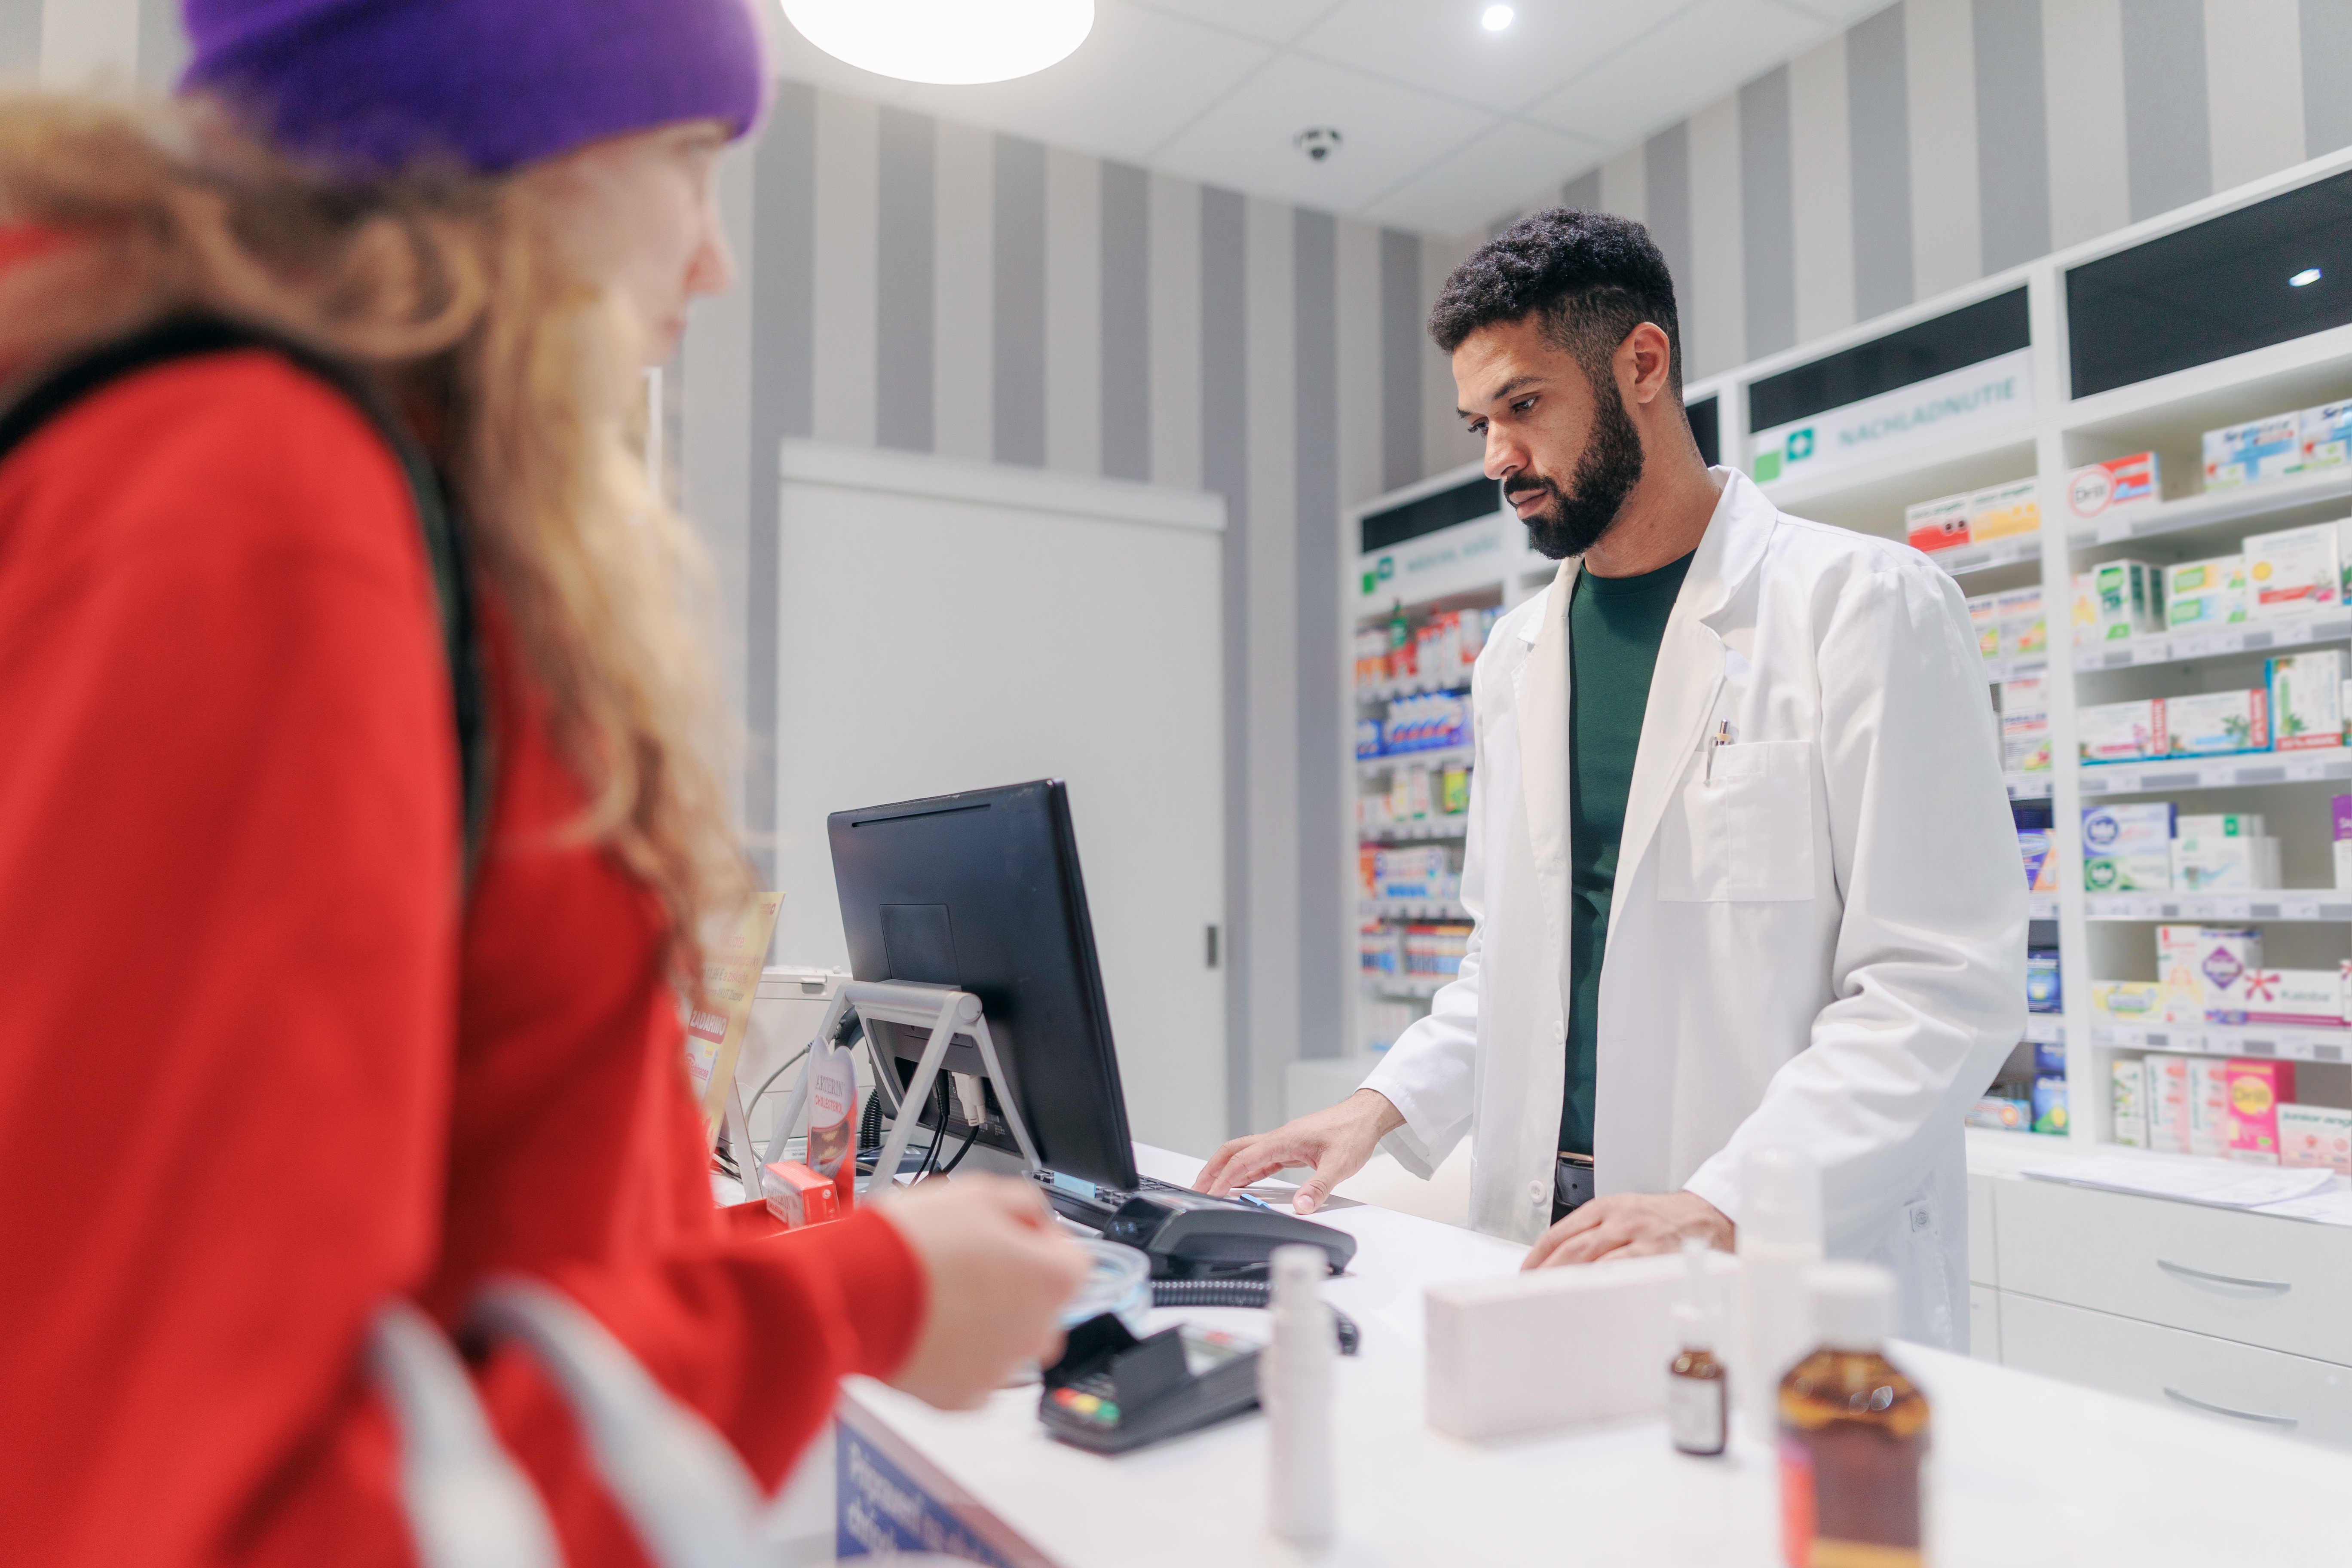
(800, 1197)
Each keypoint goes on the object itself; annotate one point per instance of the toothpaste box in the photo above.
(1985, 623)
(2142, 873)
(2248, 453)
(2224, 865)
(2217, 723)
(2180, 987)
(2025, 725)
(2130, 599)
(2128, 1100)
(2218, 825)
(2306, 696)
(2200, 593)
(1937, 524)
(2292, 570)
(2168, 1101)
(2257, 1088)
(2083, 616)
(2121, 732)
(2129, 1001)
(2208, 1106)
(2018, 618)
(2005, 509)
(2145, 829)
(2316, 1137)
(2282, 999)
(2326, 434)
(2102, 487)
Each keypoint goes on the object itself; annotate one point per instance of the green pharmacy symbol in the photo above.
(1801, 444)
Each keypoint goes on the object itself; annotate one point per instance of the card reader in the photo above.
(1112, 1391)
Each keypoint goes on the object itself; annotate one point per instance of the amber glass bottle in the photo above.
(1694, 1385)
(1853, 1435)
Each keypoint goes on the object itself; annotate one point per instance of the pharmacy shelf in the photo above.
(2226, 773)
(2045, 1029)
(1413, 686)
(2331, 906)
(1964, 559)
(2042, 906)
(1411, 910)
(2248, 636)
(1408, 987)
(1435, 757)
(2026, 786)
(2015, 665)
(2302, 1044)
(1445, 828)
(2233, 504)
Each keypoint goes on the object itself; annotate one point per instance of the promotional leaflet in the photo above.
(730, 980)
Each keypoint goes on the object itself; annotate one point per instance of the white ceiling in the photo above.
(1445, 125)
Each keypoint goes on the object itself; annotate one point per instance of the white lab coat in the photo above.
(1818, 933)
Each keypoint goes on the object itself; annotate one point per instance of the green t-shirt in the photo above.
(1614, 627)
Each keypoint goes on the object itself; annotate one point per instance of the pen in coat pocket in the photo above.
(1721, 738)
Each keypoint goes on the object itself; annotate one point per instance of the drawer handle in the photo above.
(2177, 1398)
(2198, 1275)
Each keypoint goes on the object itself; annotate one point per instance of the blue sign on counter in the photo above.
(879, 1508)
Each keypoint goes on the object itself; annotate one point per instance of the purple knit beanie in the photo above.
(372, 85)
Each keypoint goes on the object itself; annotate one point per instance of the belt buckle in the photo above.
(1572, 1181)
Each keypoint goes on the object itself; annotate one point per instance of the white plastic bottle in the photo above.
(1294, 1382)
(1779, 1238)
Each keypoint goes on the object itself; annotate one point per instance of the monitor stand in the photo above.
(947, 1012)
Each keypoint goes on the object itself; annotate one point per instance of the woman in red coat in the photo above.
(309, 1006)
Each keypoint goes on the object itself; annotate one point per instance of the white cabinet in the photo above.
(2278, 1283)
(1983, 1267)
(1984, 1323)
(2237, 1384)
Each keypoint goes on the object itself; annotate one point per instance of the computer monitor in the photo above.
(980, 891)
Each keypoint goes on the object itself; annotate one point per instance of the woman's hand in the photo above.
(999, 1271)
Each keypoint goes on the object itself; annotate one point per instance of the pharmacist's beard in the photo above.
(1576, 518)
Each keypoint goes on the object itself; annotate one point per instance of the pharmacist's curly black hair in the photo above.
(1594, 275)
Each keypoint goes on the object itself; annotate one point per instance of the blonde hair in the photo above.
(452, 294)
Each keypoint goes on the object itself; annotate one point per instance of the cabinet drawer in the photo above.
(2238, 1385)
(2279, 1283)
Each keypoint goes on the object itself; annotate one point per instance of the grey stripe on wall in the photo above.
(1583, 193)
(2013, 133)
(1768, 220)
(1400, 324)
(1315, 269)
(2165, 126)
(1665, 197)
(1020, 328)
(784, 357)
(904, 298)
(1878, 119)
(1224, 469)
(2326, 80)
(1126, 321)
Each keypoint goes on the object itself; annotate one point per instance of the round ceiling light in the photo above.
(1497, 18)
(951, 42)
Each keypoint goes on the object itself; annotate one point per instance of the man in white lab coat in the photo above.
(1741, 868)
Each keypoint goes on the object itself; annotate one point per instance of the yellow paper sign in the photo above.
(714, 1031)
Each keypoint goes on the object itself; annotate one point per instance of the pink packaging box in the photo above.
(2167, 1103)
(2256, 1090)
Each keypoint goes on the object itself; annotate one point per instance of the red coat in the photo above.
(256, 1076)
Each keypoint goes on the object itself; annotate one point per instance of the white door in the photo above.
(947, 626)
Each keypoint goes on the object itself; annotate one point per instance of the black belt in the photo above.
(1571, 1184)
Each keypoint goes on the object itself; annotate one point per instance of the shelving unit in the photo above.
(2045, 433)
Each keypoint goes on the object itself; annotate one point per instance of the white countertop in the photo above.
(2026, 1471)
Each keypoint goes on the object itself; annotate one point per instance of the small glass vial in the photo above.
(1694, 1385)
(1854, 1433)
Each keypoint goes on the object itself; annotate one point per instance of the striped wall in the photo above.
(915, 284)
(1939, 140)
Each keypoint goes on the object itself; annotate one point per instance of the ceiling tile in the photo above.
(1245, 141)
(1139, 76)
(1273, 21)
(1439, 46)
(1494, 175)
(1685, 63)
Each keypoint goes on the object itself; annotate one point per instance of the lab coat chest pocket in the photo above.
(1741, 829)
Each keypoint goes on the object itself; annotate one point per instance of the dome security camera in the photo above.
(1317, 142)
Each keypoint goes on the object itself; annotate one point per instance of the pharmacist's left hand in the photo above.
(1630, 1224)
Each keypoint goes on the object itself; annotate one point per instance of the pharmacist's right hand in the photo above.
(1336, 1141)
(999, 1272)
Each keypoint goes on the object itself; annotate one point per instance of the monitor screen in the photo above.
(980, 891)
